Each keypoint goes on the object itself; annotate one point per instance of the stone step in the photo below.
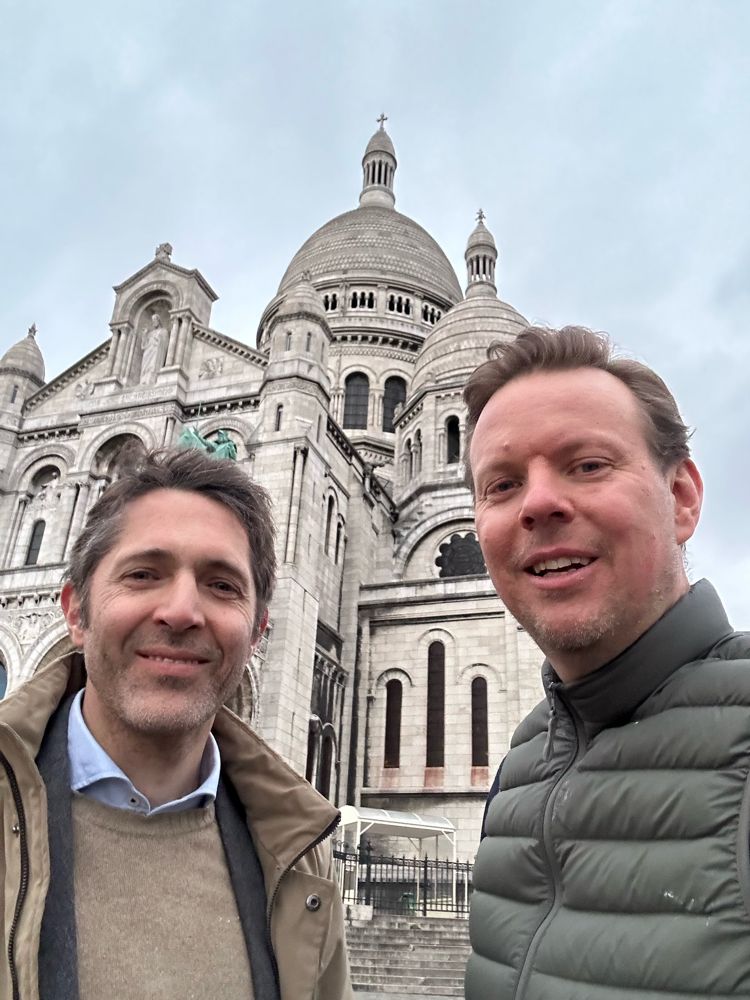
(393, 979)
(409, 956)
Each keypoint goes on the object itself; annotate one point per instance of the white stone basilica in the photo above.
(391, 674)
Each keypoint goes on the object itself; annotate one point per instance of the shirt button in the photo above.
(313, 902)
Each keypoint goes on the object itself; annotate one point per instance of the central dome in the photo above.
(373, 242)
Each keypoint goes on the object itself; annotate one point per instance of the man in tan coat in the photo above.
(152, 845)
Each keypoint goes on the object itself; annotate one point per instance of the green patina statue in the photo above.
(222, 445)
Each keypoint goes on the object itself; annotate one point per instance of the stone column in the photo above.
(377, 410)
(174, 332)
(54, 546)
(113, 346)
(13, 533)
(77, 518)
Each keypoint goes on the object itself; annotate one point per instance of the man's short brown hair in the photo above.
(540, 348)
(141, 472)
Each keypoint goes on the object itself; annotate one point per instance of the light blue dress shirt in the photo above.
(94, 773)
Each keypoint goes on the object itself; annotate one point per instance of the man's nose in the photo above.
(545, 498)
(180, 606)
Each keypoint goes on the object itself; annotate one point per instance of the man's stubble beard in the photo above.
(143, 706)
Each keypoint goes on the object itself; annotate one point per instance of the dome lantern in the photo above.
(378, 169)
(481, 257)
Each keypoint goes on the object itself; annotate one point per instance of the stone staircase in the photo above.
(414, 956)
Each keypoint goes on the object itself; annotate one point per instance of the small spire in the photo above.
(32, 331)
(481, 258)
(163, 251)
(378, 169)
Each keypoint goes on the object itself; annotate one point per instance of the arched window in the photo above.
(436, 705)
(339, 536)
(14, 394)
(308, 342)
(452, 440)
(326, 764)
(371, 300)
(329, 521)
(3, 679)
(313, 740)
(356, 399)
(417, 452)
(279, 416)
(479, 746)
(288, 346)
(392, 753)
(37, 534)
(394, 393)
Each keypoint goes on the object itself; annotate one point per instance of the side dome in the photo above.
(25, 357)
(375, 243)
(459, 342)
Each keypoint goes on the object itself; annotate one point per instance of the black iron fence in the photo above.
(419, 886)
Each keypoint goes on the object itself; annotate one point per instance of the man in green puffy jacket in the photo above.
(616, 857)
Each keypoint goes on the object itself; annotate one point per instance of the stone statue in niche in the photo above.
(154, 344)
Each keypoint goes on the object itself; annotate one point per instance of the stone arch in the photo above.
(353, 367)
(240, 427)
(436, 634)
(245, 700)
(145, 434)
(45, 454)
(394, 674)
(330, 507)
(134, 302)
(12, 655)
(492, 674)
(421, 529)
(55, 635)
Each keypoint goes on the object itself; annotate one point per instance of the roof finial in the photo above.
(163, 252)
(481, 216)
(382, 120)
(32, 330)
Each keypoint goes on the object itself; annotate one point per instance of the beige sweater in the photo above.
(156, 915)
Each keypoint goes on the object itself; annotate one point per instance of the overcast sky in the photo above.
(607, 142)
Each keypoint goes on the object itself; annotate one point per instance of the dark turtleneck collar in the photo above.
(611, 694)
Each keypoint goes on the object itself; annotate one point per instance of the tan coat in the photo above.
(289, 821)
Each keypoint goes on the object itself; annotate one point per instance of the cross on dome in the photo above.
(32, 330)
(382, 120)
(481, 216)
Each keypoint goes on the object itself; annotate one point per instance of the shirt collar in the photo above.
(686, 632)
(95, 774)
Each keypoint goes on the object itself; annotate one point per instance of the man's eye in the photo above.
(591, 465)
(139, 575)
(502, 486)
(225, 587)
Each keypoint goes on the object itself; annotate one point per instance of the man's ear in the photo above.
(71, 606)
(687, 490)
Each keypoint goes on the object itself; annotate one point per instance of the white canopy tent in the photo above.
(387, 823)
